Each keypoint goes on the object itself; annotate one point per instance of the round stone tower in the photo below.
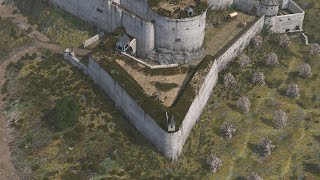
(268, 7)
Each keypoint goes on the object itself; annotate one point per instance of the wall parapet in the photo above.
(170, 144)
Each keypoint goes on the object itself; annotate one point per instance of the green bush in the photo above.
(66, 113)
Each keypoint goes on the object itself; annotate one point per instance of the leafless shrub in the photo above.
(314, 49)
(254, 176)
(229, 80)
(267, 146)
(258, 78)
(215, 162)
(228, 129)
(292, 90)
(272, 59)
(244, 60)
(305, 70)
(280, 119)
(257, 41)
(243, 104)
(284, 40)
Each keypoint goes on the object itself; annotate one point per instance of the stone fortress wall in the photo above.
(279, 23)
(149, 28)
(155, 31)
(169, 144)
(288, 23)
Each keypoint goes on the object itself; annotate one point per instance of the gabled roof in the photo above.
(189, 9)
(124, 40)
(270, 2)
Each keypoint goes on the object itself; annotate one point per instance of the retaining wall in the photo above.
(170, 144)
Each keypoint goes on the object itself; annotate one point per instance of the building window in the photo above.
(99, 10)
(280, 20)
(178, 39)
(289, 19)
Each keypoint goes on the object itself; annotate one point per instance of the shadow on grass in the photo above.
(292, 76)
(282, 91)
(235, 108)
(267, 122)
(255, 148)
(312, 168)
(240, 178)
(316, 137)
(218, 132)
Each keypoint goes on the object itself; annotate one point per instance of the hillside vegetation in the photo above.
(98, 143)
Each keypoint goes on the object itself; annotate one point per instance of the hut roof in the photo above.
(189, 9)
(124, 40)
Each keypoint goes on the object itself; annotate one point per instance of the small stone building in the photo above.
(269, 7)
(189, 11)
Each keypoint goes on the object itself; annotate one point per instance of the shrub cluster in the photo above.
(254, 176)
(257, 41)
(244, 60)
(243, 104)
(272, 59)
(258, 79)
(280, 119)
(228, 129)
(215, 163)
(267, 146)
(284, 40)
(229, 80)
(314, 49)
(66, 113)
(305, 70)
(292, 90)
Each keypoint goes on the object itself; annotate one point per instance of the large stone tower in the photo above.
(268, 7)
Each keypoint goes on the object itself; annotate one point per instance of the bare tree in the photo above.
(305, 70)
(229, 80)
(292, 90)
(280, 119)
(228, 129)
(267, 146)
(215, 162)
(254, 176)
(244, 60)
(258, 78)
(314, 49)
(272, 59)
(257, 41)
(243, 104)
(284, 40)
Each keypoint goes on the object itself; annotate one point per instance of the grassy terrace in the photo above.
(175, 8)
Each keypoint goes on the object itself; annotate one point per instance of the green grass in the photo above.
(63, 28)
(104, 145)
(11, 37)
(311, 21)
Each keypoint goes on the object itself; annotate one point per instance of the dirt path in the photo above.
(7, 170)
